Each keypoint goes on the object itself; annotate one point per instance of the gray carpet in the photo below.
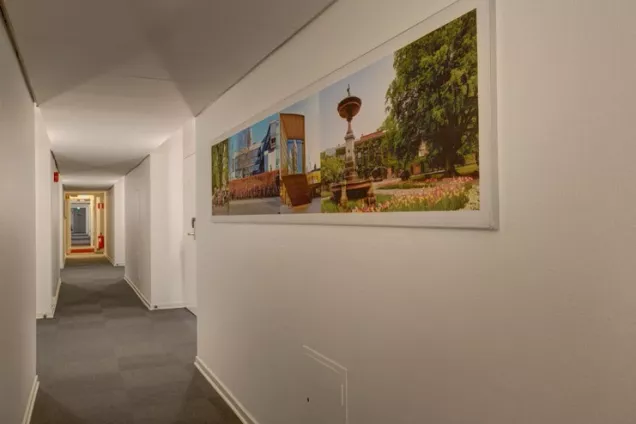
(105, 358)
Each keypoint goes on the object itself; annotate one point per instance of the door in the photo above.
(189, 229)
(79, 220)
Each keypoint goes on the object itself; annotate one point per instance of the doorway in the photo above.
(80, 235)
(189, 237)
(84, 223)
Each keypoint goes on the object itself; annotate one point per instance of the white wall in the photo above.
(137, 205)
(154, 240)
(189, 138)
(97, 215)
(91, 221)
(110, 225)
(57, 195)
(166, 176)
(533, 323)
(43, 217)
(188, 254)
(116, 228)
(62, 225)
(17, 238)
(119, 210)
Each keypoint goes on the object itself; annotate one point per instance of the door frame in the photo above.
(66, 218)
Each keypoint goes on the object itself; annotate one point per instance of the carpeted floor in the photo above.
(105, 358)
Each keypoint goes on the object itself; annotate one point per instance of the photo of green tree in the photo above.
(220, 178)
(434, 97)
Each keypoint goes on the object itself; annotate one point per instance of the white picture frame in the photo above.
(487, 217)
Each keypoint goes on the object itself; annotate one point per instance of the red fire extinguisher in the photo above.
(100, 241)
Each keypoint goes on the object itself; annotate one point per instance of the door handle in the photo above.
(191, 234)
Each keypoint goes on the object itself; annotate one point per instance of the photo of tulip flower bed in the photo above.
(255, 186)
(449, 194)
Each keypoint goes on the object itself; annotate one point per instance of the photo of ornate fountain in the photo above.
(352, 188)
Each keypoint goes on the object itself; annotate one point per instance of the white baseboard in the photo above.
(139, 294)
(146, 302)
(51, 313)
(176, 305)
(57, 296)
(112, 262)
(240, 411)
(31, 401)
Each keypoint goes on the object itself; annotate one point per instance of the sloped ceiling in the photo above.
(115, 78)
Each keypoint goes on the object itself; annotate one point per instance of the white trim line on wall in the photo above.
(139, 294)
(177, 305)
(241, 412)
(147, 304)
(56, 297)
(111, 260)
(51, 313)
(31, 402)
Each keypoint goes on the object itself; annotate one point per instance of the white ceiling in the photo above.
(115, 78)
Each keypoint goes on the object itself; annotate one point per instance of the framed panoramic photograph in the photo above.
(403, 136)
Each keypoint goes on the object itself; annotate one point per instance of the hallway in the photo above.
(105, 358)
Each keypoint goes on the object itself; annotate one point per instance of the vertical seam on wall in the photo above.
(4, 13)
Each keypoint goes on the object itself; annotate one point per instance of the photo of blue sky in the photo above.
(258, 130)
(325, 128)
(370, 84)
(239, 140)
